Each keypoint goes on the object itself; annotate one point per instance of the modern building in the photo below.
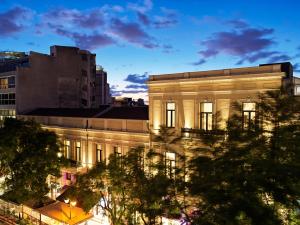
(9, 61)
(66, 78)
(102, 91)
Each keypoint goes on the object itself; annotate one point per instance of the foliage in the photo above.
(28, 154)
(251, 176)
(130, 189)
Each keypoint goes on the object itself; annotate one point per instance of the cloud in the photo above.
(137, 86)
(72, 18)
(238, 42)
(87, 41)
(167, 19)
(146, 6)
(198, 63)
(144, 19)
(137, 78)
(279, 58)
(14, 20)
(133, 33)
(296, 67)
(238, 23)
(167, 48)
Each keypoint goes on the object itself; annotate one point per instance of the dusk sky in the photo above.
(135, 38)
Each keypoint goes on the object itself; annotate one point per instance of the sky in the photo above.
(134, 39)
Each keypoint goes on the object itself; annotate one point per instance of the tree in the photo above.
(28, 154)
(131, 189)
(251, 176)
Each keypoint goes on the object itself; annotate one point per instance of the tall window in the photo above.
(206, 116)
(248, 114)
(170, 117)
(170, 164)
(78, 151)
(67, 149)
(117, 151)
(99, 153)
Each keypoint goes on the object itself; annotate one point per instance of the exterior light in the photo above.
(73, 203)
(59, 154)
(67, 201)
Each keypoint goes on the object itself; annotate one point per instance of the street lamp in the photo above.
(71, 203)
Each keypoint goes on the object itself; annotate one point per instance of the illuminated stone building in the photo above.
(184, 102)
(187, 101)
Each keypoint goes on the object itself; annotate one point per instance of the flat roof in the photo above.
(106, 111)
(67, 112)
(261, 69)
(127, 112)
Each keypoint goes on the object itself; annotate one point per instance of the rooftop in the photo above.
(261, 69)
(109, 112)
(127, 112)
(67, 112)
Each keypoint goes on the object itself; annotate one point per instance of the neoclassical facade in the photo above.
(182, 101)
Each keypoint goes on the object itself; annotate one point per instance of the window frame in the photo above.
(249, 113)
(172, 115)
(170, 165)
(78, 151)
(206, 116)
(99, 150)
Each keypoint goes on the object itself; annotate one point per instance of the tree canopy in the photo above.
(28, 154)
(251, 176)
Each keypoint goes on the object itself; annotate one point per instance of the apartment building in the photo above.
(102, 90)
(9, 61)
(66, 78)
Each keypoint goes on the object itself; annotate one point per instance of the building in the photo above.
(66, 78)
(102, 91)
(187, 101)
(9, 61)
(63, 79)
(184, 102)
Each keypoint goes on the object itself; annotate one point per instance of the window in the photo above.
(170, 164)
(8, 99)
(78, 151)
(3, 83)
(297, 90)
(117, 151)
(99, 153)
(84, 102)
(68, 176)
(11, 82)
(67, 149)
(170, 117)
(206, 116)
(248, 114)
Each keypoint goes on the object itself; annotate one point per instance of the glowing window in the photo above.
(206, 116)
(170, 114)
(248, 114)
(170, 164)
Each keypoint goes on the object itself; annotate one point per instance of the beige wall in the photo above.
(107, 132)
(188, 90)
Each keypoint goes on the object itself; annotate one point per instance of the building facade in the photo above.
(9, 61)
(63, 79)
(184, 102)
(187, 101)
(102, 90)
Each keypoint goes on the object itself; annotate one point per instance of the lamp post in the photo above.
(71, 203)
